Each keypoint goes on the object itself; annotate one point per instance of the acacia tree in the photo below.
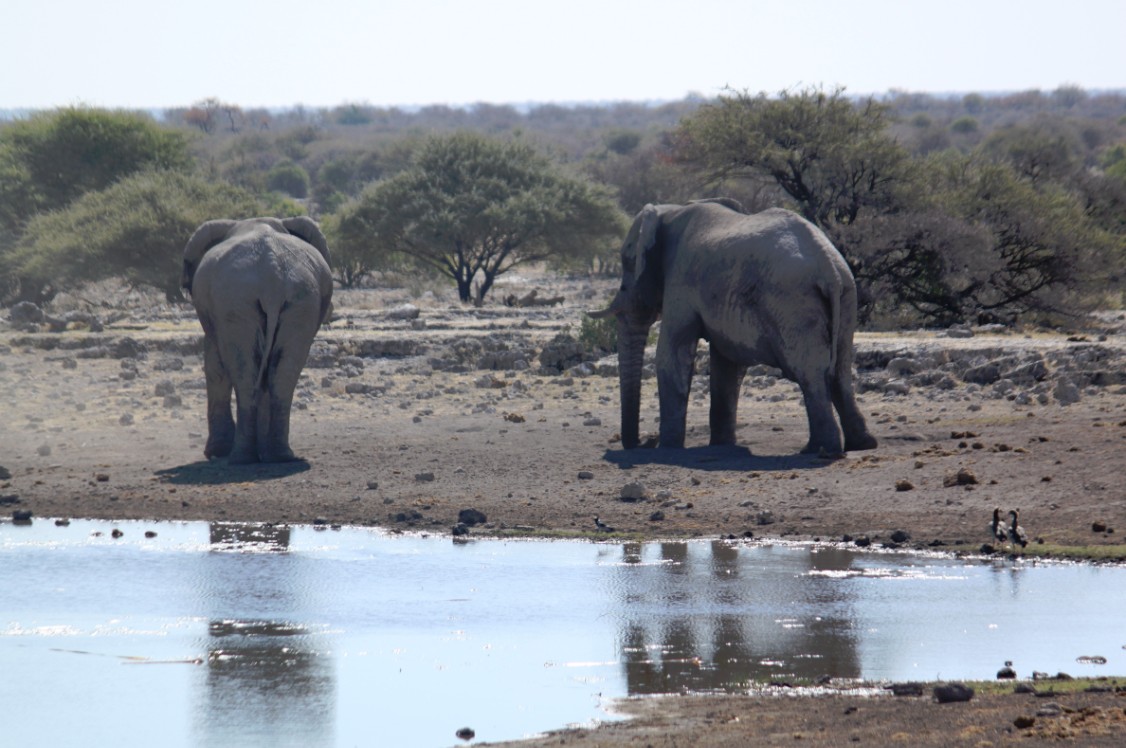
(473, 208)
(136, 230)
(831, 157)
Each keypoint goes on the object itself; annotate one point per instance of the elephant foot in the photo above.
(285, 455)
(832, 451)
(217, 448)
(860, 443)
(242, 457)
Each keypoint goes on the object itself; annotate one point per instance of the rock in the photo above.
(26, 313)
(424, 477)
(5, 474)
(164, 387)
(403, 312)
(1050, 709)
(1098, 526)
(173, 401)
(906, 689)
(471, 517)
(1066, 393)
(900, 536)
(904, 485)
(862, 542)
(1007, 672)
(964, 477)
(1024, 688)
(897, 387)
(372, 485)
(953, 692)
(21, 516)
(632, 492)
(1024, 722)
(460, 529)
(765, 517)
(657, 516)
(586, 475)
(126, 419)
(43, 450)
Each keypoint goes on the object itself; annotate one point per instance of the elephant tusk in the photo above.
(602, 313)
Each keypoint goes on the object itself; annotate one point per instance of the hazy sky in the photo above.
(142, 54)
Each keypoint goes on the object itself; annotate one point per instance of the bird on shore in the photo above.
(1017, 535)
(998, 529)
(602, 526)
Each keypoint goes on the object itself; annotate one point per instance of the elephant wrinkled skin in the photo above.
(261, 288)
(767, 288)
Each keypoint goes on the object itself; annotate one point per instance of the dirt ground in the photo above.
(406, 416)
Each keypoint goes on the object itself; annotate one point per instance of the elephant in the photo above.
(766, 288)
(261, 288)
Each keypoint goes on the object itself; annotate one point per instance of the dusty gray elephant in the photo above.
(261, 288)
(767, 288)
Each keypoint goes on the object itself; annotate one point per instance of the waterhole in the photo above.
(189, 634)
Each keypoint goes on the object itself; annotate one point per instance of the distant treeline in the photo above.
(948, 208)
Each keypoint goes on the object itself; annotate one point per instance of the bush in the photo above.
(290, 178)
(599, 335)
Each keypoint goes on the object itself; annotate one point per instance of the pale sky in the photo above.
(322, 53)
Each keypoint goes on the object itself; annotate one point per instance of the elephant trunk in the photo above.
(631, 356)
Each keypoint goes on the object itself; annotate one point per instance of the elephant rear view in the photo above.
(767, 288)
(261, 288)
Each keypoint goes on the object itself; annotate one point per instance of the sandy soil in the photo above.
(400, 426)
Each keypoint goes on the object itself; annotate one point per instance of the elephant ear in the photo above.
(306, 228)
(205, 237)
(649, 220)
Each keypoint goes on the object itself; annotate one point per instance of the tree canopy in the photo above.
(51, 159)
(135, 230)
(473, 207)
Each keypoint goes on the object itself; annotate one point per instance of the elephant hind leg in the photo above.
(824, 436)
(856, 434)
(220, 423)
(726, 379)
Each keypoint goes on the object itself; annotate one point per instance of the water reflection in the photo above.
(357, 638)
(265, 686)
(701, 617)
(265, 682)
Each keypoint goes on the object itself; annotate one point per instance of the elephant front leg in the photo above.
(220, 424)
(675, 362)
(726, 379)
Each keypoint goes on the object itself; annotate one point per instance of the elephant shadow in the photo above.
(713, 459)
(219, 472)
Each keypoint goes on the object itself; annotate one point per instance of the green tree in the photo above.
(51, 159)
(135, 229)
(833, 158)
(473, 207)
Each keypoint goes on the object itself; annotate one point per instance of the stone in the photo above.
(471, 517)
(632, 492)
(953, 692)
(900, 536)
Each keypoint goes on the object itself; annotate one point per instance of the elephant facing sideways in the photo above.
(261, 288)
(767, 288)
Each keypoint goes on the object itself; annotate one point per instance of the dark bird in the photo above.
(1016, 533)
(602, 525)
(998, 529)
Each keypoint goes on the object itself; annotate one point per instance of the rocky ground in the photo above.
(413, 409)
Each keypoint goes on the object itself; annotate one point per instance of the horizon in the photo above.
(417, 53)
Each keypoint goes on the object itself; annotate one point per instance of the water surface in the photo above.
(216, 635)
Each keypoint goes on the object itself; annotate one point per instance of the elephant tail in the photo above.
(267, 336)
(832, 291)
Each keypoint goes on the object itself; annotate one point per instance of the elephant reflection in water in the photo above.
(265, 681)
(700, 618)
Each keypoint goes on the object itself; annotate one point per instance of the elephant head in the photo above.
(637, 306)
(216, 232)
